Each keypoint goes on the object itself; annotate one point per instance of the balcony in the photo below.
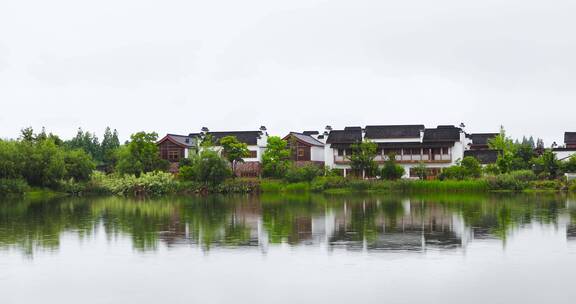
(403, 159)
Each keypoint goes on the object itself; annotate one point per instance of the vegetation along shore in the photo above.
(85, 165)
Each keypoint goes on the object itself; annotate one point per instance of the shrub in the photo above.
(13, 186)
(151, 183)
(391, 171)
(546, 185)
(523, 175)
(329, 182)
(305, 173)
(297, 187)
(452, 172)
(207, 167)
(491, 169)
(506, 182)
(471, 167)
(359, 185)
(270, 186)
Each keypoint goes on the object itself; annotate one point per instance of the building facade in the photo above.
(305, 148)
(411, 145)
(569, 148)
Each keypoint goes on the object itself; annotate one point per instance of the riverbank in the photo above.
(159, 184)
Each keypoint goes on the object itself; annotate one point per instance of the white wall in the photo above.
(317, 153)
(564, 154)
(388, 140)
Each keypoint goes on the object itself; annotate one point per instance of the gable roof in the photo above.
(306, 139)
(570, 137)
(248, 137)
(394, 131)
(442, 134)
(310, 132)
(347, 136)
(186, 141)
(482, 138)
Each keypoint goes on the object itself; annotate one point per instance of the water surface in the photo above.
(289, 249)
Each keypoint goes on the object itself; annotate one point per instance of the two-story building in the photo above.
(306, 147)
(411, 145)
(255, 140)
(174, 147)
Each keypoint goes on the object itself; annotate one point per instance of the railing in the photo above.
(436, 158)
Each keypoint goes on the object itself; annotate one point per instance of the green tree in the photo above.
(79, 165)
(108, 148)
(10, 161)
(86, 141)
(391, 170)
(42, 163)
(140, 155)
(233, 150)
(547, 165)
(276, 158)
(206, 167)
(362, 158)
(569, 166)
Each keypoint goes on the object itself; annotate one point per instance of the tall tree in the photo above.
(108, 148)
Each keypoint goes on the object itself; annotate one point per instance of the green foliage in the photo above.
(79, 165)
(391, 170)
(13, 186)
(506, 182)
(42, 163)
(305, 173)
(362, 158)
(276, 158)
(569, 166)
(233, 150)
(108, 149)
(421, 171)
(140, 155)
(151, 183)
(10, 159)
(491, 169)
(207, 167)
(87, 142)
(547, 165)
(468, 168)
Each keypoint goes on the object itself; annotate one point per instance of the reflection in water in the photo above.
(356, 223)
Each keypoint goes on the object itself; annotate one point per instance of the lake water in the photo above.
(289, 249)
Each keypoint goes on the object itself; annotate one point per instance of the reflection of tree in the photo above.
(378, 222)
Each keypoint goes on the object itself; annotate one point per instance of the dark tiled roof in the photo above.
(570, 137)
(482, 138)
(396, 131)
(442, 134)
(307, 139)
(310, 132)
(346, 136)
(483, 156)
(248, 137)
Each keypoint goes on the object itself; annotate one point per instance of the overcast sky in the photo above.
(176, 66)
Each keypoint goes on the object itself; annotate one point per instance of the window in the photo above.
(252, 154)
(300, 152)
(174, 155)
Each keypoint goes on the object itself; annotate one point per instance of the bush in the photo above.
(506, 182)
(546, 185)
(471, 167)
(392, 171)
(207, 167)
(328, 182)
(452, 173)
(305, 173)
(13, 186)
(572, 186)
(523, 175)
(152, 183)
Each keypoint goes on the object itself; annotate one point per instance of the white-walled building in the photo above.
(255, 140)
(437, 148)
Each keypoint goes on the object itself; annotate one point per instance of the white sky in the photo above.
(175, 66)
